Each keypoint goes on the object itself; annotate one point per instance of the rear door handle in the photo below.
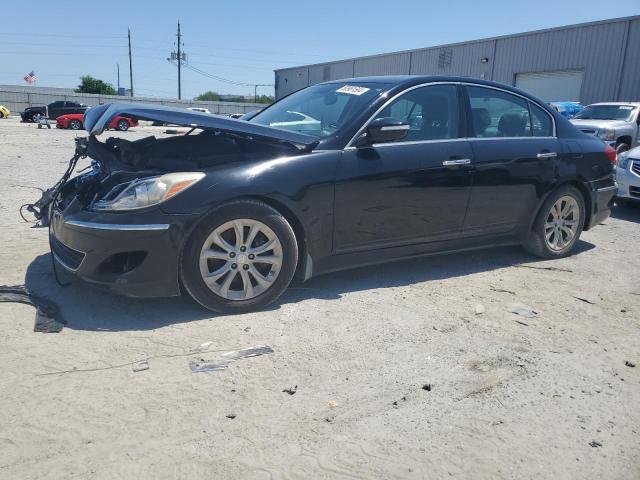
(457, 162)
(547, 155)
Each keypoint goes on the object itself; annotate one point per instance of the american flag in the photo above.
(30, 77)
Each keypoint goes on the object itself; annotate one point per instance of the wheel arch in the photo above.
(305, 263)
(624, 139)
(580, 186)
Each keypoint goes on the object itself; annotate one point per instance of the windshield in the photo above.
(320, 110)
(607, 112)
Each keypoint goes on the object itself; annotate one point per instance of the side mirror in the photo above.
(383, 130)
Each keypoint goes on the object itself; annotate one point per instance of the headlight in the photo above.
(607, 133)
(150, 191)
(623, 160)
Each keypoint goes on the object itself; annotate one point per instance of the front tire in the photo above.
(75, 125)
(239, 258)
(558, 226)
(123, 125)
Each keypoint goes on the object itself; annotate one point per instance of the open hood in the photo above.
(97, 119)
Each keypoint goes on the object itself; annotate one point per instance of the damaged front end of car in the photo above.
(107, 224)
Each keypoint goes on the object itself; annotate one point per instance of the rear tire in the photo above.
(123, 125)
(558, 226)
(75, 125)
(246, 283)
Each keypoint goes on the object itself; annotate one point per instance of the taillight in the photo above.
(611, 154)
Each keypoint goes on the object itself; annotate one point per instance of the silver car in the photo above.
(616, 123)
(628, 177)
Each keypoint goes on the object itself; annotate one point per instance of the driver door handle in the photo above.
(456, 162)
(547, 155)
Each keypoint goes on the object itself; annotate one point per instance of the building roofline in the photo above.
(469, 42)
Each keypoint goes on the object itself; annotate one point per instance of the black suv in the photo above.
(52, 111)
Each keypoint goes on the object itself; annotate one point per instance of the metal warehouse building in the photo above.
(589, 62)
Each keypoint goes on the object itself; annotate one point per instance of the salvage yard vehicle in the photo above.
(628, 177)
(233, 210)
(52, 111)
(567, 109)
(616, 123)
(4, 112)
(74, 121)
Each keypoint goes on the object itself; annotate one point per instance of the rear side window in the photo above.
(432, 112)
(541, 122)
(498, 114)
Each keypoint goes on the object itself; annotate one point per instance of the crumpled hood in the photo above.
(97, 119)
(597, 124)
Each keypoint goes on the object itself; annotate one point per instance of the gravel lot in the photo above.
(410, 370)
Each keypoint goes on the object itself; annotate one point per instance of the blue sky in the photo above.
(244, 41)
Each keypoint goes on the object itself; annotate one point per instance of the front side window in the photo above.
(432, 112)
(321, 110)
(498, 114)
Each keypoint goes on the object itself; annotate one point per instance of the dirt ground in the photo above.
(417, 369)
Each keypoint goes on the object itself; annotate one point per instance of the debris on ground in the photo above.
(332, 404)
(502, 290)
(140, 366)
(480, 309)
(203, 347)
(595, 444)
(629, 364)
(404, 399)
(553, 269)
(427, 387)
(291, 390)
(231, 416)
(586, 298)
(48, 316)
(222, 363)
(523, 310)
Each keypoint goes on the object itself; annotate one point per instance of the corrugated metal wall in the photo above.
(16, 98)
(608, 53)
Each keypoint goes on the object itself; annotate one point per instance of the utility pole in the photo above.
(130, 63)
(255, 94)
(179, 63)
(118, 78)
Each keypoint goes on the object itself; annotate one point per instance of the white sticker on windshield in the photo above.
(352, 90)
(625, 108)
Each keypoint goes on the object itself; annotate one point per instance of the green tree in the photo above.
(263, 99)
(88, 84)
(208, 96)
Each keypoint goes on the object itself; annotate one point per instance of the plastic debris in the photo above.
(231, 416)
(332, 404)
(523, 310)
(629, 364)
(291, 390)
(48, 316)
(595, 444)
(140, 366)
(480, 309)
(222, 363)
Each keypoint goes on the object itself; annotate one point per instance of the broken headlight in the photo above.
(149, 191)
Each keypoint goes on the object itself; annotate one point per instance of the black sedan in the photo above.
(337, 175)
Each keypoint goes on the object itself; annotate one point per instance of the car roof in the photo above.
(404, 81)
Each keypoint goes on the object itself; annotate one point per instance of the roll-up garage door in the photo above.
(559, 85)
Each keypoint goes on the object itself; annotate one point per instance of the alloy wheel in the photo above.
(561, 225)
(241, 259)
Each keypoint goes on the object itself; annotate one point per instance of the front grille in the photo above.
(635, 166)
(69, 257)
(634, 191)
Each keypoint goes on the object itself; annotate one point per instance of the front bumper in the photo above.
(628, 179)
(132, 254)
